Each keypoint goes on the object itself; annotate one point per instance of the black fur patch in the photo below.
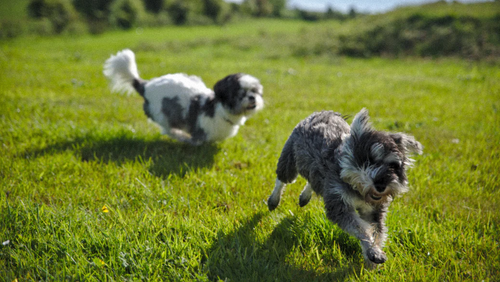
(209, 107)
(193, 112)
(198, 135)
(139, 86)
(145, 106)
(227, 89)
(171, 108)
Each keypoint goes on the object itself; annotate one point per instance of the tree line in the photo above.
(97, 16)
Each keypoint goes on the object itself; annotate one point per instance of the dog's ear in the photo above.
(407, 143)
(229, 84)
(361, 124)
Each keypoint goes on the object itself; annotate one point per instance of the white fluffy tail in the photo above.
(121, 70)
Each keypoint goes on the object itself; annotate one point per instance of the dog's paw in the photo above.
(306, 195)
(304, 199)
(272, 203)
(376, 255)
(369, 265)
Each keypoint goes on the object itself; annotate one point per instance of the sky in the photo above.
(367, 6)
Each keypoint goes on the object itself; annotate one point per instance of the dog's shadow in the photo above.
(238, 256)
(164, 156)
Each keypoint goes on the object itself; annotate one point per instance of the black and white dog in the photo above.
(183, 105)
(357, 170)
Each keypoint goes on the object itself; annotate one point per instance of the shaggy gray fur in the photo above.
(357, 170)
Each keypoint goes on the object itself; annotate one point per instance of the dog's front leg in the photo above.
(347, 219)
(377, 220)
(380, 228)
(367, 235)
(379, 232)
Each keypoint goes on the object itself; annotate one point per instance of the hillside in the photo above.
(437, 29)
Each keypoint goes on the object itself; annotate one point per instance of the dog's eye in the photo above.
(254, 90)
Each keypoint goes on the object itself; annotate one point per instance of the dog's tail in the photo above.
(121, 70)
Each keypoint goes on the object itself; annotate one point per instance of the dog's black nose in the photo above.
(251, 98)
(379, 186)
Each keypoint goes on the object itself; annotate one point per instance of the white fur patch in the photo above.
(253, 88)
(279, 187)
(222, 125)
(248, 82)
(121, 70)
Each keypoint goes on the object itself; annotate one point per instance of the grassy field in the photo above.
(90, 191)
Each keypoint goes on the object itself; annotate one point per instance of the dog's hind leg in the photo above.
(286, 173)
(286, 170)
(306, 194)
(274, 200)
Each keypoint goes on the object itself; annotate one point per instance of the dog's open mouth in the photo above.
(251, 107)
(376, 198)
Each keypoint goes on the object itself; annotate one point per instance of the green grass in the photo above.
(178, 213)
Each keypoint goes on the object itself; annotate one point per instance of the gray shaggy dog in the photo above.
(357, 170)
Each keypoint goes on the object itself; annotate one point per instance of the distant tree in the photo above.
(264, 8)
(215, 9)
(309, 16)
(352, 13)
(37, 9)
(332, 14)
(278, 7)
(329, 14)
(257, 8)
(234, 7)
(93, 9)
(178, 11)
(154, 6)
(60, 13)
(247, 7)
(126, 13)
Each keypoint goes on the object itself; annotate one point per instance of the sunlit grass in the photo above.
(91, 190)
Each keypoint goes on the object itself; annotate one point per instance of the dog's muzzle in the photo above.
(376, 196)
(253, 103)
